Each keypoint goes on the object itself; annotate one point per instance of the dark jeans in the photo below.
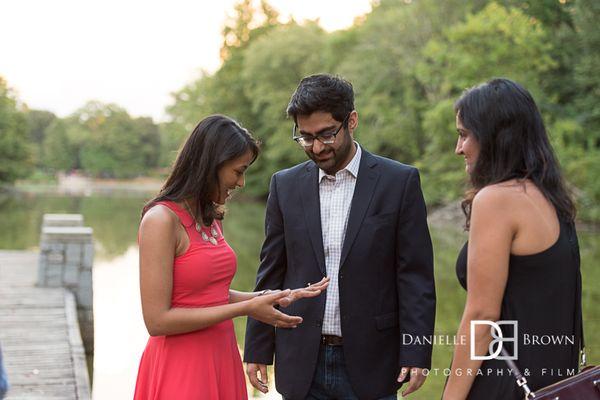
(331, 380)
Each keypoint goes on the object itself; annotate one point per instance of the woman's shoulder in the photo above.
(504, 193)
(515, 201)
(159, 216)
(499, 204)
(495, 195)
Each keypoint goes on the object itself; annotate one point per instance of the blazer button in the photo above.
(319, 323)
(341, 276)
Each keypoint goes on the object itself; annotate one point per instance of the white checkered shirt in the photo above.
(335, 195)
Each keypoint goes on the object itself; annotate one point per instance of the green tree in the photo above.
(62, 144)
(496, 41)
(15, 152)
(279, 60)
(557, 83)
(587, 15)
(150, 136)
(408, 62)
(578, 134)
(38, 121)
(103, 140)
(380, 56)
(113, 144)
(246, 23)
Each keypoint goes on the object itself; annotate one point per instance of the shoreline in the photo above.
(449, 215)
(76, 185)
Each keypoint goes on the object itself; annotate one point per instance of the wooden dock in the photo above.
(39, 334)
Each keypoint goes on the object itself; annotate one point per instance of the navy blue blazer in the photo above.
(386, 284)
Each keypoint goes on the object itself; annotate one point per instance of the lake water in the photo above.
(120, 335)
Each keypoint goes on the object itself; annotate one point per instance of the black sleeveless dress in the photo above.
(543, 293)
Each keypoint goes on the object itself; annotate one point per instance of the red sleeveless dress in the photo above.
(204, 364)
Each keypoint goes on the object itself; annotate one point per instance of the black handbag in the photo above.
(586, 384)
(583, 386)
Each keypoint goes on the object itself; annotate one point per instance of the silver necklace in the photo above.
(213, 232)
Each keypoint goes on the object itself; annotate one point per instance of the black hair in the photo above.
(322, 92)
(214, 141)
(513, 143)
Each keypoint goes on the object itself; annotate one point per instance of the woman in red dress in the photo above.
(186, 267)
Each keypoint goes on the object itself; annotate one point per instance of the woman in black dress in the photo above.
(522, 260)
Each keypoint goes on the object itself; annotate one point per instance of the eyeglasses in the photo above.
(307, 141)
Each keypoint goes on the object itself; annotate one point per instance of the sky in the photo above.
(57, 55)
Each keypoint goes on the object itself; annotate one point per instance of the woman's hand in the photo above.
(262, 308)
(311, 290)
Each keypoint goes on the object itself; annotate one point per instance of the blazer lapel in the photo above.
(363, 192)
(309, 191)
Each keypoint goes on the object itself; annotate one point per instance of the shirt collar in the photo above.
(352, 166)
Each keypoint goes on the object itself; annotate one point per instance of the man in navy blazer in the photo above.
(359, 219)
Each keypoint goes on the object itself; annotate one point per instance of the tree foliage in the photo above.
(15, 152)
(103, 140)
(38, 121)
(408, 62)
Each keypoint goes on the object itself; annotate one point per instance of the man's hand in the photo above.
(261, 384)
(417, 378)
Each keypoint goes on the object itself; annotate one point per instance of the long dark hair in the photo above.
(513, 143)
(214, 141)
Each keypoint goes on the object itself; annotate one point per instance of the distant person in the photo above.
(3, 378)
(186, 268)
(360, 220)
(521, 262)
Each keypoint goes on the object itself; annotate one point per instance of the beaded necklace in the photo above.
(213, 231)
